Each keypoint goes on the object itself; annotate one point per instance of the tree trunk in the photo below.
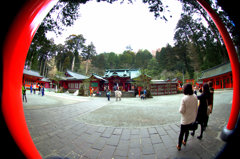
(73, 62)
(44, 67)
(40, 70)
(86, 67)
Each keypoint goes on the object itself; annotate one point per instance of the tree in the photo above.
(142, 58)
(40, 51)
(99, 62)
(87, 54)
(153, 68)
(192, 43)
(193, 7)
(66, 63)
(127, 59)
(57, 77)
(75, 44)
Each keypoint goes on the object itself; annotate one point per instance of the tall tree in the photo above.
(112, 60)
(127, 59)
(193, 7)
(75, 44)
(87, 54)
(142, 58)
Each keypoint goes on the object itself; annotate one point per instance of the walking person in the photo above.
(31, 88)
(118, 95)
(108, 94)
(24, 93)
(202, 109)
(39, 89)
(188, 109)
(210, 100)
(144, 93)
(34, 88)
(43, 90)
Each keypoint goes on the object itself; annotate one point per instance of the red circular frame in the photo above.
(14, 55)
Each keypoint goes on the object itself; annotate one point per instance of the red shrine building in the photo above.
(31, 77)
(34, 78)
(162, 87)
(220, 75)
(72, 81)
(97, 83)
(121, 78)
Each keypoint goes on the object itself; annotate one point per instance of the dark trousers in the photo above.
(108, 96)
(184, 131)
(203, 127)
(24, 96)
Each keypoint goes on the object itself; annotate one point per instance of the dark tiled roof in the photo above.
(75, 76)
(31, 73)
(163, 82)
(98, 77)
(132, 73)
(216, 71)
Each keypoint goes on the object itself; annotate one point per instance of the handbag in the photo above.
(193, 126)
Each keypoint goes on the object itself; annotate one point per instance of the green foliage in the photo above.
(142, 58)
(149, 95)
(143, 80)
(81, 90)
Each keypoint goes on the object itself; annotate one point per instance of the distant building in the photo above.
(162, 87)
(72, 80)
(121, 78)
(31, 77)
(97, 83)
(220, 75)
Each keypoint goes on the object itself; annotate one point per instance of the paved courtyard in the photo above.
(91, 127)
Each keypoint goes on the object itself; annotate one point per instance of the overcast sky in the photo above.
(112, 27)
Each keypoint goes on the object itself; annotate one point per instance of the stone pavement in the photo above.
(56, 131)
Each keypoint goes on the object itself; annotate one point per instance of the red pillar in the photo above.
(234, 64)
(15, 51)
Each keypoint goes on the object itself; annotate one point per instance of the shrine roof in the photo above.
(31, 73)
(131, 73)
(75, 76)
(98, 77)
(44, 79)
(163, 82)
(216, 71)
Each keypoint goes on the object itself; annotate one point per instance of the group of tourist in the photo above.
(33, 89)
(118, 94)
(194, 110)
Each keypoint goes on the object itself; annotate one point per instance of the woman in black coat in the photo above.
(202, 109)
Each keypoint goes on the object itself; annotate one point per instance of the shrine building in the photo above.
(220, 75)
(31, 77)
(72, 81)
(121, 78)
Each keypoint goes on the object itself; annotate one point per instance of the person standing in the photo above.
(39, 89)
(43, 90)
(24, 93)
(195, 90)
(91, 92)
(188, 109)
(31, 88)
(210, 100)
(144, 93)
(34, 88)
(202, 109)
(108, 94)
(118, 95)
